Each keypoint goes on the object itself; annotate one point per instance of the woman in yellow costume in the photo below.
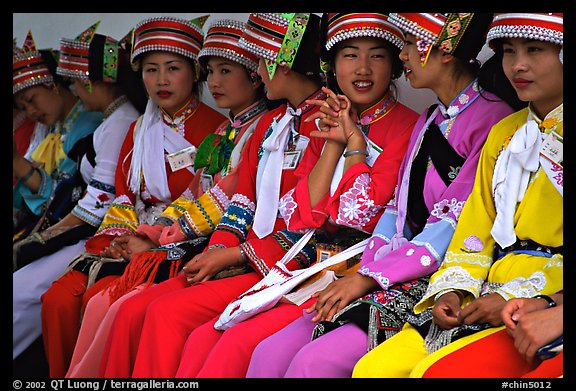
(509, 239)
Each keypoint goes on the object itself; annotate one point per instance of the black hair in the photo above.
(127, 79)
(473, 38)
(307, 60)
(49, 57)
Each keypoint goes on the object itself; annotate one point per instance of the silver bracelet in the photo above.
(356, 152)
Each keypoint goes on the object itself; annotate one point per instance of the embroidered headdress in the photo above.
(460, 34)
(90, 56)
(547, 27)
(222, 40)
(276, 37)
(168, 34)
(28, 67)
(345, 26)
(339, 27)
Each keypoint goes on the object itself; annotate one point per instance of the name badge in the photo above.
(552, 148)
(206, 181)
(374, 153)
(291, 159)
(182, 159)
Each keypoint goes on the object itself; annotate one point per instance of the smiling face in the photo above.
(363, 69)
(535, 71)
(169, 79)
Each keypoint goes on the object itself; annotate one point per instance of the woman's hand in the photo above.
(338, 294)
(535, 329)
(446, 309)
(206, 265)
(125, 246)
(336, 117)
(485, 309)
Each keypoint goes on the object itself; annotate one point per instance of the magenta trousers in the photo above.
(291, 353)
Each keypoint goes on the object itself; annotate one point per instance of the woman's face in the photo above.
(230, 85)
(363, 69)
(41, 104)
(535, 71)
(268, 84)
(168, 79)
(418, 76)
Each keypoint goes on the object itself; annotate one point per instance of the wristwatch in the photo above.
(551, 302)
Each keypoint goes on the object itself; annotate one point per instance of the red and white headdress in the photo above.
(28, 67)
(548, 27)
(353, 25)
(222, 40)
(169, 34)
(275, 37)
(443, 31)
(74, 54)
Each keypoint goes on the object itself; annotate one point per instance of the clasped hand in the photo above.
(335, 117)
(125, 246)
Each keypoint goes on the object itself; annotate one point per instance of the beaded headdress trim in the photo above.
(168, 34)
(222, 41)
(28, 67)
(547, 27)
(345, 26)
(75, 53)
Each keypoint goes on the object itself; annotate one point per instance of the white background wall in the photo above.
(48, 28)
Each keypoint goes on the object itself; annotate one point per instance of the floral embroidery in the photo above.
(472, 244)
(287, 207)
(549, 122)
(560, 176)
(442, 208)
(383, 280)
(454, 277)
(356, 208)
(425, 260)
(452, 111)
(410, 252)
(463, 99)
(351, 209)
(520, 286)
(102, 198)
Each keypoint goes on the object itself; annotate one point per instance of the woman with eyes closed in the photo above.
(148, 177)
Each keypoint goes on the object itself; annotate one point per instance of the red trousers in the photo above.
(62, 307)
(151, 328)
(213, 353)
(493, 356)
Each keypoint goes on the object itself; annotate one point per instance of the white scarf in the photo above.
(511, 176)
(269, 174)
(150, 140)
